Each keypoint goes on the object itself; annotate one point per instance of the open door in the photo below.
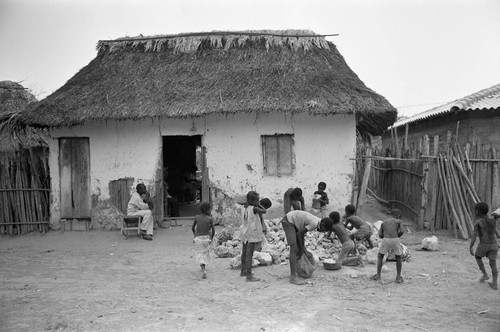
(185, 174)
(74, 173)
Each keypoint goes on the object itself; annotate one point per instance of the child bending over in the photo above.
(204, 231)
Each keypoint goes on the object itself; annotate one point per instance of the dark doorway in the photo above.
(182, 167)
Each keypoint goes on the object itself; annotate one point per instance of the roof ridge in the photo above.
(191, 42)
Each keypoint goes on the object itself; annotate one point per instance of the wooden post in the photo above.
(424, 184)
(398, 153)
(433, 178)
(406, 139)
(364, 184)
(495, 184)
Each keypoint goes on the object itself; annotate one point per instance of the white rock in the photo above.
(263, 258)
(430, 243)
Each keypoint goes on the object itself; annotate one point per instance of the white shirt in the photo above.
(303, 219)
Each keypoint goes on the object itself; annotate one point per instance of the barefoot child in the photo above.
(347, 244)
(251, 233)
(204, 231)
(360, 228)
(485, 229)
(390, 232)
(295, 225)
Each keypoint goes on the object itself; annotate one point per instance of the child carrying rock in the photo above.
(251, 233)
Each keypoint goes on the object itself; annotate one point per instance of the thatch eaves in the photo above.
(195, 75)
(14, 134)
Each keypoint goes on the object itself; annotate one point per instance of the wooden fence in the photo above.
(24, 192)
(434, 184)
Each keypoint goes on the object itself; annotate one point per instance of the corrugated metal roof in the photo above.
(484, 99)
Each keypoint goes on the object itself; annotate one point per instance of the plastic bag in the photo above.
(305, 266)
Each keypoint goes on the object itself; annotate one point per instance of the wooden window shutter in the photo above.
(278, 154)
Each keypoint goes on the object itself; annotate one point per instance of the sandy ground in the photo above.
(99, 281)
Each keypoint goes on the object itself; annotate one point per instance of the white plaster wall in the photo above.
(117, 150)
(323, 148)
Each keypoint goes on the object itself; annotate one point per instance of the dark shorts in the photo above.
(290, 231)
(487, 250)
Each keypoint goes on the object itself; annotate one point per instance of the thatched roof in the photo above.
(14, 135)
(199, 74)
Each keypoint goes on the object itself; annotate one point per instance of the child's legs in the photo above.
(494, 270)
(380, 260)
(243, 258)
(479, 261)
(249, 258)
(399, 265)
(293, 260)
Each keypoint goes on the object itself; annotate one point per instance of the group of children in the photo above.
(297, 222)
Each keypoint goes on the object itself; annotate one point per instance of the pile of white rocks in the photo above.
(274, 249)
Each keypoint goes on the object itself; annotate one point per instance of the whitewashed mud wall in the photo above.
(126, 149)
(324, 148)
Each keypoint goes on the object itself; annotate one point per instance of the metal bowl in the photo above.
(331, 264)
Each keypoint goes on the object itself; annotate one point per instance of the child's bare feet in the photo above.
(375, 277)
(484, 278)
(494, 286)
(296, 281)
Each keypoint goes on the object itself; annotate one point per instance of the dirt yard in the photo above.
(98, 281)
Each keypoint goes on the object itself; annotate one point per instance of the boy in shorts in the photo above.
(485, 229)
(390, 232)
(347, 244)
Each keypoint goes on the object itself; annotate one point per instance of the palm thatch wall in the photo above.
(199, 74)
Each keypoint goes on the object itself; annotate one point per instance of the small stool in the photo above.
(131, 223)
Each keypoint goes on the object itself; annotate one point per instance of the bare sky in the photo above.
(416, 53)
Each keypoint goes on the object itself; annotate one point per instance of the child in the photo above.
(347, 244)
(322, 198)
(295, 225)
(361, 228)
(265, 204)
(390, 232)
(204, 231)
(293, 198)
(485, 228)
(251, 233)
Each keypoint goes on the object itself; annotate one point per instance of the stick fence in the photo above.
(24, 192)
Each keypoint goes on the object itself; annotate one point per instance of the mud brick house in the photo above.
(247, 110)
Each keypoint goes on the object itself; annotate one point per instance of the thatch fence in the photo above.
(436, 183)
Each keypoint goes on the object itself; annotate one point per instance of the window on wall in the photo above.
(278, 154)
